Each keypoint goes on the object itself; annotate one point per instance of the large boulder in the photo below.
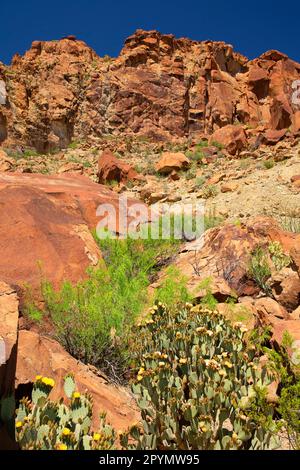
(232, 138)
(111, 169)
(46, 227)
(223, 253)
(172, 161)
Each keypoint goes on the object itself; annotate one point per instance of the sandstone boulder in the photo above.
(233, 138)
(45, 227)
(170, 162)
(111, 169)
(6, 163)
(222, 256)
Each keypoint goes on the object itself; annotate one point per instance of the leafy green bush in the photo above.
(198, 384)
(210, 190)
(268, 164)
(42, 424)
(278, 257)
(91, 317)
(259, 269)
(289, 408)
(173, 289)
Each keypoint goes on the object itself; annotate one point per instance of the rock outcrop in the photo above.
(159, 86)
(9, 315)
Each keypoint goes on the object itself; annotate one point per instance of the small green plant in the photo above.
(42, 424)
(30, 153)
(286, 366)
(198, 384)
(210, 190)
(290, 222)
(190, 174)
(211, 219)
(197, 154)
(173, 289)
(199, 182)
(268, 164)
(259, 269)
(218, 145)
(278, 257)
(74, 144)
(289, 408)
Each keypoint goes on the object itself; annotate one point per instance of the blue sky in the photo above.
(251, 27)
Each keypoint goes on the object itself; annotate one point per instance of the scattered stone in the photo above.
(110, 168)
(229, 187)
(170, 162)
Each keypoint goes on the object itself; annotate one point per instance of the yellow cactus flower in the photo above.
(19, 424)
(38, 377)
(96, 437)
(48, 382)
(141, 371)
(178, 335)
(66, 432)
(228, 364)
(76, 395)
(139, 378)
(62, 447)
(182, 361)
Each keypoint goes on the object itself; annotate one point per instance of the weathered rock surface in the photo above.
(172, 161)
(45, 227)
(159, 86)
(233, 138)
(9, 314)
(223, 255)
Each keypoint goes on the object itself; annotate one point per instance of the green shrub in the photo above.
(211, 219)
(173, 289)
(209, 191)
(259, 269)
(42, 424)
(198, 385)
(289, 408)
(200, 180)
(290, 222)
(218, 145)
(278, 257)
(268, 164)
(92, 317)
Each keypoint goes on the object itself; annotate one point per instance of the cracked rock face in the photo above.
(3, 93)
(159, 86)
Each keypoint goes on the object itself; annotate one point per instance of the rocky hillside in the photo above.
(173, 121)
(159, 86)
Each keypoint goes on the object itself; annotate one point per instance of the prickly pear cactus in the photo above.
(198, 385)
(42, 424)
